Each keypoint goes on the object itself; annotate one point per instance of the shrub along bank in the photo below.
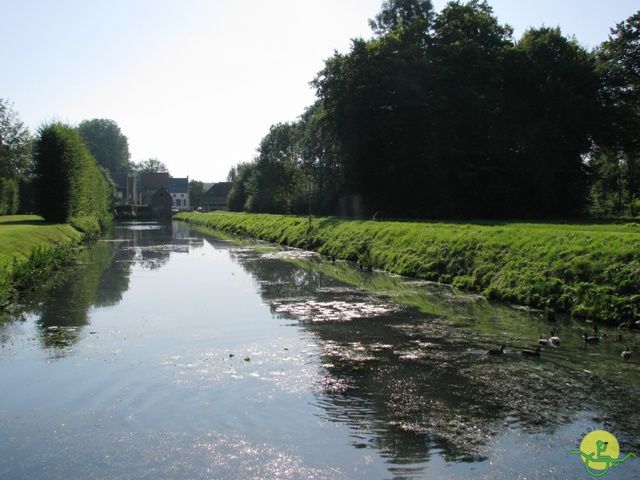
(71, 187)
(589, 271)
(30, 250)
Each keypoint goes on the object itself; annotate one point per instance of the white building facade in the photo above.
(179, 190)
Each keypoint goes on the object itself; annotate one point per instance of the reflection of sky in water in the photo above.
(166, 356)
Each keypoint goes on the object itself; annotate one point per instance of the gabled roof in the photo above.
(161, 192)
(220, 189)
(153, 181)
(179, 185)
(120, 179)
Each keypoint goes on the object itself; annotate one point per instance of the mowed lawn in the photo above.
(22, 234)
(589, 270)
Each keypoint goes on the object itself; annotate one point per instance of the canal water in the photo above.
(170, 353)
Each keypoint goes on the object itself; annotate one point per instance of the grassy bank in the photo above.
(30, 249)
(591, 271)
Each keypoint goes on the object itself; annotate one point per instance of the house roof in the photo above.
(161, 192)
(120, 179)
(153, 181)
(220, 189)
(179, 185)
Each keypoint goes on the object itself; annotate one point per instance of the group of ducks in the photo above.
(595, 338)
(554, 341)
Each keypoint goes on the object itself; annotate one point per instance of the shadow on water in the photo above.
(405, 365)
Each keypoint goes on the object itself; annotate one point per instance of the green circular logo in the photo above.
(600, 451)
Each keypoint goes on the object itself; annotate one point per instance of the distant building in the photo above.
(161, 202)
(125, 188)
(150, 183)
(216, 197)
(179, 190)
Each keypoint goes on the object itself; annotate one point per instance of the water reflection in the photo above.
(412, 378)
(184, 373)
(99, 279)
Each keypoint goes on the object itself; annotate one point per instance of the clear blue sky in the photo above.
(197, 83)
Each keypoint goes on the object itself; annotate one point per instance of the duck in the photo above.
(531, 353)
(496, 351)
(554, 339)
(626, 353)
(543, 341)
(590, 339)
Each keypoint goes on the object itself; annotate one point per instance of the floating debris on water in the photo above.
(316, 311)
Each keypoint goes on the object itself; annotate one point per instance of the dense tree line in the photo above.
(15, 157)
(65, 172)
(446, 115)
(106, 142)
(615, 161)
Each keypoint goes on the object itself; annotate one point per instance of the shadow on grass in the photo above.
(26, 222)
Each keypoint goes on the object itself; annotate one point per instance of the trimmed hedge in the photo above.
(70, 186)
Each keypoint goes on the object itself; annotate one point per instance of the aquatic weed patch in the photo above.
(591, 271)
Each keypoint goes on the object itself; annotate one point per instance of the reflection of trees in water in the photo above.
(114, 280)
(409, 382)
(65, 309)
(101, 278)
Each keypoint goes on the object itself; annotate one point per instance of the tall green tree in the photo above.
(195, 193)
(106, 142)
(438, 115)
(468, 58)
(151, 165)
(15, 157)
(242, 178)
(275, 184)
(396, 16)
(555, 88)
(615, 163)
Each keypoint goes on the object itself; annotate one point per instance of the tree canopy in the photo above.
(151, 165)
(615, 162)
(15, 142)
(195, 193)
(15, 157)
(107, 144)
(446, 115)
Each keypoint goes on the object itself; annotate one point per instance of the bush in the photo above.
(9, 198)
(69, 182)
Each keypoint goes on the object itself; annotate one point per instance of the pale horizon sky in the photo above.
(197, 83)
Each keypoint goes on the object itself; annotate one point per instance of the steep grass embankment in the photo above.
(30, 250)
(589, 271)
